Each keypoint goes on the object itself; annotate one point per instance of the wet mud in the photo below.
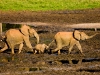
(59, 17)
(27, 63)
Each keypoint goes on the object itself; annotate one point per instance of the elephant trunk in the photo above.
(37, 37)
(92, 36)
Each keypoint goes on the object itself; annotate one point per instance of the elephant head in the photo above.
(81, 35)
(45, 46)
(27, 31)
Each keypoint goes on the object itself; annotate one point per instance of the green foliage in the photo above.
(44, 5)
(9, 26)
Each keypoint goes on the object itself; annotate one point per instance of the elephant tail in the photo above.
(51, 43)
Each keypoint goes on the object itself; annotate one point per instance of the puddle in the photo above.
(91, 68)
(90, 59)
(59, 62)
(55, 65)
(75, 61)
(34, 69)
(64, 61)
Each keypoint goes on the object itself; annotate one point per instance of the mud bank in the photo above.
(52, 64)
(59, 17)
(47, 63)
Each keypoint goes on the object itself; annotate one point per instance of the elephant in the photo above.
(18, 36)
(70, 39)
(40, 48)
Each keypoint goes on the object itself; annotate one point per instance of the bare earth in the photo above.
(47, 25)
(62, 17)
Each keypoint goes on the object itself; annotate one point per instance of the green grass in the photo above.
(44, 5)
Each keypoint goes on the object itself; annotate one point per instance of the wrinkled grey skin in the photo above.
(69, 39)
(40, 48)
(18, 36)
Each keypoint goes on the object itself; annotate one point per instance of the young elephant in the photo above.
(40, 48)
(69, 39)
(18, 36)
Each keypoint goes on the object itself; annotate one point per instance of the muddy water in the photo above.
(20, 65)
(28, 64)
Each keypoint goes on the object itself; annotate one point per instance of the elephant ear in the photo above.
(25, 30)
(32, 32)
(77, 35)
(45, 46)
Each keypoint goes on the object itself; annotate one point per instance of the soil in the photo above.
(66, 16)
(27, 63)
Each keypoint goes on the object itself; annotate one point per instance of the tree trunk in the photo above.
(0, 28)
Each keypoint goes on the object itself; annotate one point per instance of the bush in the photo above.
(9, 26)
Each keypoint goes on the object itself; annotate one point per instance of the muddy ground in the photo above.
(27, 63)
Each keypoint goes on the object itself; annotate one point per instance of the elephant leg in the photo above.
(70, 49)
(79, 47)
(57, 49)
(20, 47)
(5, 47)
(12, 50)
(40, 52)
(35, 51)
(28, 44)
(72, 43)
(59, 46)
(12, 47)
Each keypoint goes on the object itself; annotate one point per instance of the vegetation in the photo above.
(43, 5)
(9, 26)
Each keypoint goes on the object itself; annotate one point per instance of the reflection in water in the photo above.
(78, 62)
(7, 58)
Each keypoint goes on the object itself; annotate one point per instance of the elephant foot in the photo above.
(59, 52)
(83, 54)
(69, 53)
(52, 51)
(0, 51)
(18, 52)
(12, 53)
(34, 51)
(31, 50)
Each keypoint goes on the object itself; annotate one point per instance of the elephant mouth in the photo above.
(31, 35)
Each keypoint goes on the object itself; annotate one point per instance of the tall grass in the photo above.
(44, 5)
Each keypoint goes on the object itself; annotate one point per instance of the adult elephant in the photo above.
(69, 39)
(18, 36)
